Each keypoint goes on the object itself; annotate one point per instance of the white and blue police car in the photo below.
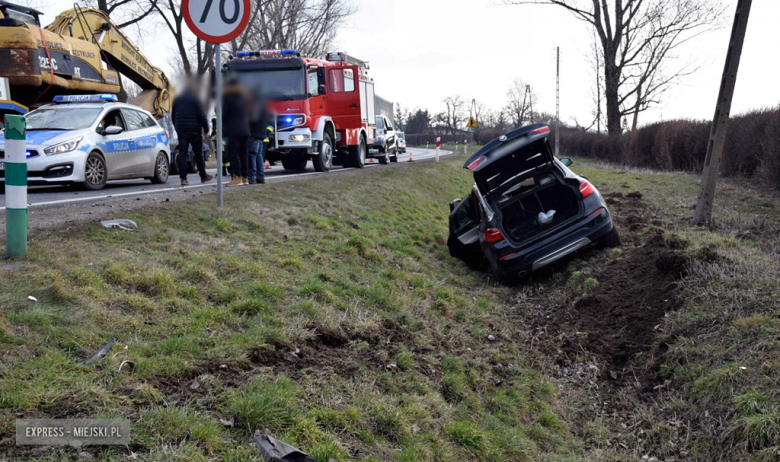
(91, 139)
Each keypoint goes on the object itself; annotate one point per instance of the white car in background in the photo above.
(400, 141)
(90, 139)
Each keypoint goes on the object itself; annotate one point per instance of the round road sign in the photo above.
(216, 21)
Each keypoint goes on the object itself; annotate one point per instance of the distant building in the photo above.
(384, 107)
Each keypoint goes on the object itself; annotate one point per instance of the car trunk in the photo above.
(522, 183)
(538, 205)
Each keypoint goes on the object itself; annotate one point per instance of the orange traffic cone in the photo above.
(267, 165)
(411, 159)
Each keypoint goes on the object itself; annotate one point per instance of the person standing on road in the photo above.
(235, 126)
(189, 119)
(260, 129)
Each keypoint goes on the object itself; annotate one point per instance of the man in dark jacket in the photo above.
(189, 120)
(235, 126)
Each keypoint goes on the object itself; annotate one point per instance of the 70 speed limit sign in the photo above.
(216, 21)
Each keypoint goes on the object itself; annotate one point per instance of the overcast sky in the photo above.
(423, 50)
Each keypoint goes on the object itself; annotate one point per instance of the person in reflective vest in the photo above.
(260, 128)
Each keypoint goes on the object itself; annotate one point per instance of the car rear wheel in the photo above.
(324, 160)
(383, 160)
(357, 154)
(95, 172)
(161, 169)
(611, 239)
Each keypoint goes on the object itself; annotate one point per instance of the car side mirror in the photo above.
(454, 204)
(567, 162)
(112, 130)
(321, 90)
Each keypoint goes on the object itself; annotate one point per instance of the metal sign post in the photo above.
(218, 66)
(217, 22)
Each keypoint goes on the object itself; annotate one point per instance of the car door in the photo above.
(115, 147)
(142, 145)
(463, 240)
(390, 135)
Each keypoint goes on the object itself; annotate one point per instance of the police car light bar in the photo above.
(104, 97)
(266, 53)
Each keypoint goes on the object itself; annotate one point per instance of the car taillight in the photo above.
(475, 164)
(586, 189)
(542, 130)
(493, 235)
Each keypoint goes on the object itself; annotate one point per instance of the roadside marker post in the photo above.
(217, 22)
(465, 146)
(15, 186)
(438, 146)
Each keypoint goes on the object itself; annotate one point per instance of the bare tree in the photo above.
(454, 114)
(195, 56)
(308, 26)
(124, 13)
(637, 38)
(520, 100)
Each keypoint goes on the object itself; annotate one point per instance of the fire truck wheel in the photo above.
(357, 154)
(294, 163)
(324, 160)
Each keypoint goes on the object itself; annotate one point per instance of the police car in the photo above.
(91, 139)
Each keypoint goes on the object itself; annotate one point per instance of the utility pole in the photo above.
(557, 100)
(720, 122)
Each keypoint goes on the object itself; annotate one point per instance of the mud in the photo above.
(633, 294)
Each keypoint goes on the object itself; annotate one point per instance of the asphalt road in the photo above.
(40, 196)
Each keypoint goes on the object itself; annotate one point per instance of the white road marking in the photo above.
(212, 184)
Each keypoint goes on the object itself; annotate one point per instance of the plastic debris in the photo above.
(130, 365)
(492, 338)
(546, 218)
(31, 298)
(101, 352)
(121, 223)
(273, 450)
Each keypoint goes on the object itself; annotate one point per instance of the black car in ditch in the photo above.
(527, 208)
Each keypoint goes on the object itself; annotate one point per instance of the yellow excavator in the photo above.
(82, 51)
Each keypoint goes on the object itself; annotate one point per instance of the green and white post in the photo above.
(15, 186)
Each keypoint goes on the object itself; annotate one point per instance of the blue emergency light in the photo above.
(103, 97)
(248, 54)
(288, 120)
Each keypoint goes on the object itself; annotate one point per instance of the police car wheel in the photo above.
(95, 172)
(161, 169)
(324, 160)
(357, 154)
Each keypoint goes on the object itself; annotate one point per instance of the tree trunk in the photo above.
(611, 92)
(103, 6)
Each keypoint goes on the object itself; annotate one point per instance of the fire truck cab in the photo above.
(323, 108)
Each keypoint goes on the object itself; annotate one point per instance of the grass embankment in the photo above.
(326, 312)
(706, 387)
(329, 313)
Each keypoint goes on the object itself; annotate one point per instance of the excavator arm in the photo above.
(94, 26)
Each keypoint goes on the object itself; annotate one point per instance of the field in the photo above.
(329, 314)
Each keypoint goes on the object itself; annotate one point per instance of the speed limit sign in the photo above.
(216, 21)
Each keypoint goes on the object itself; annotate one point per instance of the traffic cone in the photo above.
(267, 165)
(411, 159)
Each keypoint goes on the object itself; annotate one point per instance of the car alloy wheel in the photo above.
(95, 171)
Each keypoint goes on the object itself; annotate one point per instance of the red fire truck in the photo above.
(324, 108)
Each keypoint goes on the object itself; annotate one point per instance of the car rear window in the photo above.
(512, 168)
